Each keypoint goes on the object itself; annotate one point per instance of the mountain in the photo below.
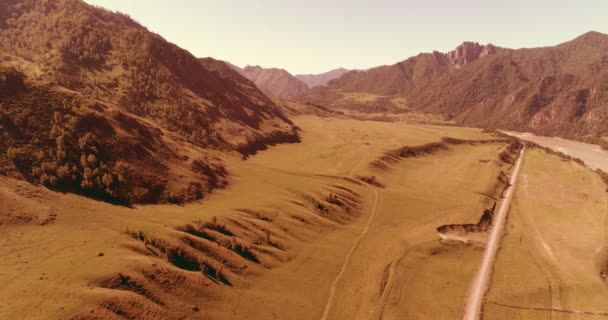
(276, 83)
(91, 102)
(314, 80)
(559, 90)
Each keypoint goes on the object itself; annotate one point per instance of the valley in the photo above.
(548, 268)
(140, 180)
(379, 257)
(94, 242)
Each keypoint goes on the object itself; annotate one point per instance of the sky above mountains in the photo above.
(315, 36)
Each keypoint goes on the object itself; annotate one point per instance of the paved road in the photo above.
(481, 281)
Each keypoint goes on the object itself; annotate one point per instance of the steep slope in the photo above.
(94, 103)
(276, 83)
(409, 75)
(313, 80)
(558, 90)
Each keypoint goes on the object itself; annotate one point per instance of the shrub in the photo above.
(243, 251)
(181, 259)
(221, 228)
(199, 232)
(333, 199)
(319, 207)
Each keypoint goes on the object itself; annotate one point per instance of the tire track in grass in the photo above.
(334, 285)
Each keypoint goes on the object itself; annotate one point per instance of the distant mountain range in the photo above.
(314, 80)
(279, 83)
(276, 83)
(560, 90)
(91, 102)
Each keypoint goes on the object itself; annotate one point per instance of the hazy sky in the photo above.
(313, 36)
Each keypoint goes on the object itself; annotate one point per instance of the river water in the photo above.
(593, 155)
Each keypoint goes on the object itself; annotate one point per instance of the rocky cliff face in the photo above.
(468, 52)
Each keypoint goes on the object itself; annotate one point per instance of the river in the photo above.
(593, 155)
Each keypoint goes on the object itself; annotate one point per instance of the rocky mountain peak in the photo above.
(468, 52)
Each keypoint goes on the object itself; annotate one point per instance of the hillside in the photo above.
(276, 83)
(94, 103)
(548, 91)
(314, 80)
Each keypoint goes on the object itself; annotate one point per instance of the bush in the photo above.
(243, 251)
(198, 232)
(221, 228)
(333, 199)
(181, 259)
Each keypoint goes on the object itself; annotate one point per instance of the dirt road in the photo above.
(332, 289)
(474, 303)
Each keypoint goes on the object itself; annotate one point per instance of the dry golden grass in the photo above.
(421, 194)
(358, 97)
(412, 117)
(401, 103)
(64, 252)
(553, 251)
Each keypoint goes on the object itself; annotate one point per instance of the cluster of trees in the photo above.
(95, 38)
(63, 142)
(88, 46)
(143, 80)
(147, 88)
(62, 158)
(111, 57)
(213, 169)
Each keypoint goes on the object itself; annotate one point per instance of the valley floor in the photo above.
(552, 264)
(271, 244)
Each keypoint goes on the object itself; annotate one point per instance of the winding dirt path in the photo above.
(334, 284)
(352, 171)
(332, 290)
(474, 303)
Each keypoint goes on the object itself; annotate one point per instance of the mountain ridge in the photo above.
(275, 82)
(542, 90)
(94, 103)
(321, 79)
